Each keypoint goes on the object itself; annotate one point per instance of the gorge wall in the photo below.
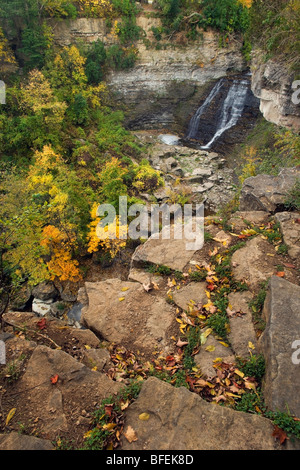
(272, 83)
(171, 80)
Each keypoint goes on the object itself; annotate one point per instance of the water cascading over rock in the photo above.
(229, 102)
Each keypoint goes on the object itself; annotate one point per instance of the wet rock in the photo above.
(279, 344)
(181, 420)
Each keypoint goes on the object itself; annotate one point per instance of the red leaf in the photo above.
(54, 379)
(211, 287)
(108, 409)
(42, 324)
(279, 434)
(280, 274)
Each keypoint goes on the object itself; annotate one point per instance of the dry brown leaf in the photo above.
(130, 434)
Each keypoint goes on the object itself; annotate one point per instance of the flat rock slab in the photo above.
(16, 441)
(267, 193)
(193, 293)
(279, 343)
(240, 220)
(242, 330)
(173, 253)
(182, 420)
(290, 229)
(254, 263)
(55, 406)
(124, 313)
(209, 351)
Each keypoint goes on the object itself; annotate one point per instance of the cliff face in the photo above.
(168, 81)
(272, 84)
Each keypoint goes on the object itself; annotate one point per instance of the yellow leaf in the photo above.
(110, 446)
(121, 298)
(238, 372)
(10, 415)
(124, 289)
(144, 416)
(224, 344)
(109, 426)
(218, 359)
(210, 348)
(207, 332)
(251, 345)
(232, 395)
(87, 346)
(87, 434)
(124, 405)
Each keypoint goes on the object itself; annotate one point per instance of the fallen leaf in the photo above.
(144, 416)
(130, 434)
(10, 416)
(280, 274)
(279, 434)
(210, 348)
(147, 287)
(54, 379)
(180, 343)
(121, 299)
(42, 324)
(109, 426)
(124, 289)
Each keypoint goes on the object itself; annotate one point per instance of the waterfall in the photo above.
(194, 123)
(228, 113)
(232, 109)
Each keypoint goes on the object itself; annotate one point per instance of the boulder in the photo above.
(124, 313)
(16, 441)
(290, 229)
(182, 420)
(173, 253)
(54, 405)
(254, 263)
(45, 291)
(42, 307)
(280, 344)
(268, 193)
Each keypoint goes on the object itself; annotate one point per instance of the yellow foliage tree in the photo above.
(110, 238)
(59, 247)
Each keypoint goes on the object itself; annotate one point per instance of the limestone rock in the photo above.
(266, 192)
(205, 358)
(254, 263)
(42, 307)
(173, 253)
(123, 313)
(55, 404)
(45, 291)
(241, 326)
(192, 293)
(239, 219)
(290, 229)
(181, 420)
(272, 84)
(16, 441)
(279, 343)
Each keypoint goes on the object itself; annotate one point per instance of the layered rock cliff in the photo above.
(272, 83)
